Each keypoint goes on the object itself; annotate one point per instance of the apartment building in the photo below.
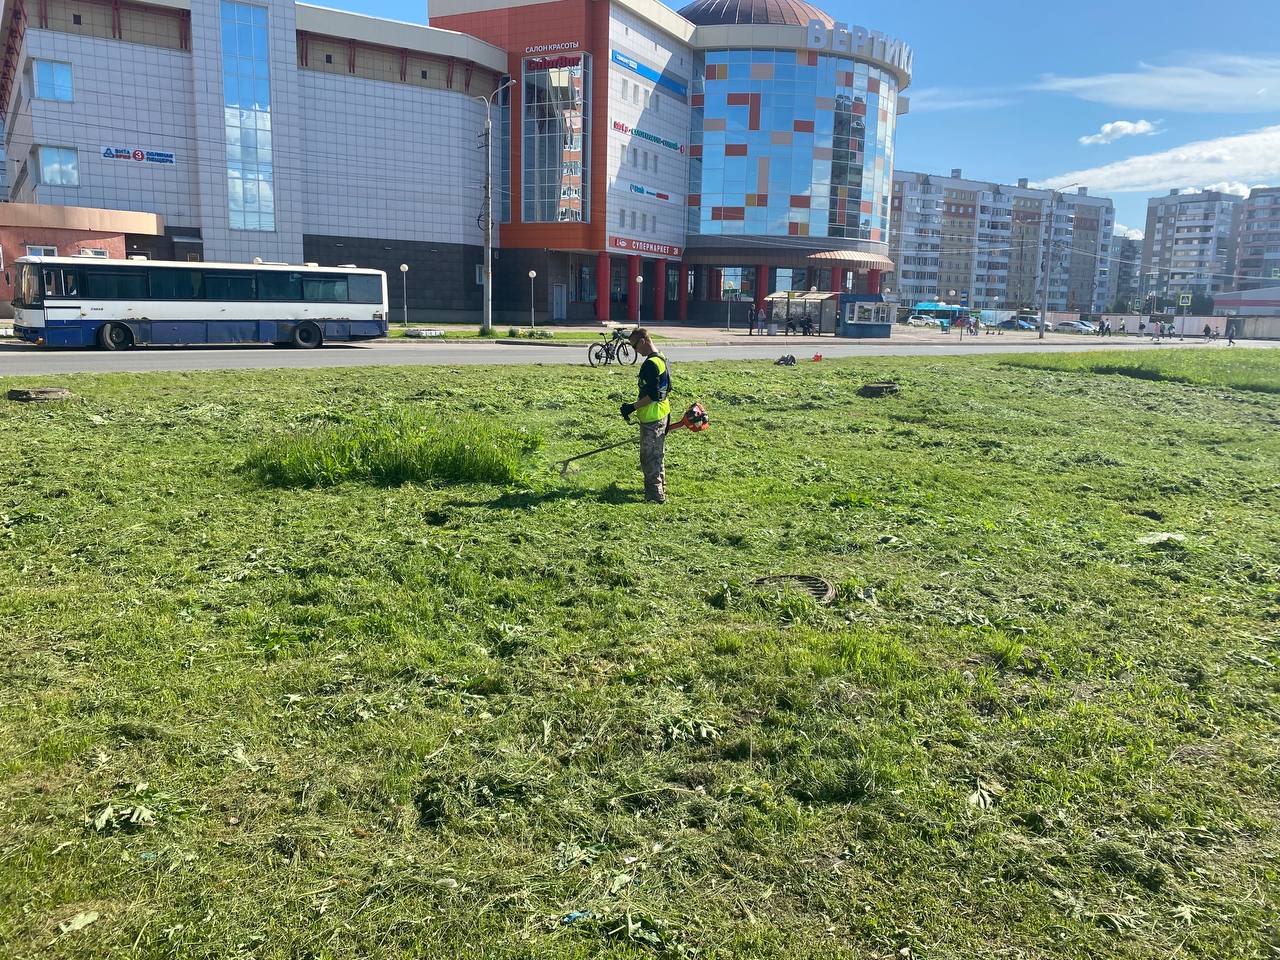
(1190, 243)
(1258, 240)
(1126, 273)
(985, 244)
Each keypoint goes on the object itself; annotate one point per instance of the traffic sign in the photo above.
(1184, 299)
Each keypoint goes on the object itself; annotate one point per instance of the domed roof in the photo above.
(705, 13)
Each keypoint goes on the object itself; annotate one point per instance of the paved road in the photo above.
(24, 360)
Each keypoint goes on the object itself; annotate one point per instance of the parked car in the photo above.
(1074, 326)
(1019, 323)
(917, 320)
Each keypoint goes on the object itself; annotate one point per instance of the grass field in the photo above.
(267, 716)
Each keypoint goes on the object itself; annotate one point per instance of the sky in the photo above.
(1131, 98)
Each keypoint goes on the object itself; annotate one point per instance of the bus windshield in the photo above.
(26, 292)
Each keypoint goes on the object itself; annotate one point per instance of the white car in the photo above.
(916, 320)
(1075, 326)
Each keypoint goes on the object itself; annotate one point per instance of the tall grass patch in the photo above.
(1227, 367)
(398, 448)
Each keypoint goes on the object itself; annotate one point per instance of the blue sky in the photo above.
(1007, 88)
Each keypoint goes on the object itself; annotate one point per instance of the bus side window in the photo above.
(70, 284)
(52, 283)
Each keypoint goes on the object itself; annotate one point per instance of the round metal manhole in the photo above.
(821, 590)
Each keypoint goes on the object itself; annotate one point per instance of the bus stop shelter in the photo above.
(819, 308)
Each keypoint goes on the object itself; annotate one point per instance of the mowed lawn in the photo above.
(549, 720)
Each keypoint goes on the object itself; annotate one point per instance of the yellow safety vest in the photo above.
(658, 409)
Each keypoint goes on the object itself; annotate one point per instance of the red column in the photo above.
(837, 279)
(762, 284)
(715, 284)
(602, 287)
(682, 295)
(633, 288)
(873, 281)
(660, 294)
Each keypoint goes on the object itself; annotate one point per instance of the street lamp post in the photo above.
(486, 319)
(951, 295)
(532, 275)
(404, 291)
(729, 291)
(639, 292)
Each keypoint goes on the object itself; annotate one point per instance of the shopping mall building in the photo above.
(644, 161)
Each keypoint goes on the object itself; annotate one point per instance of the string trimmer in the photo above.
(694, 419)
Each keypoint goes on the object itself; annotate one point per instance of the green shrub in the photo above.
(513, 332)
(396, 449)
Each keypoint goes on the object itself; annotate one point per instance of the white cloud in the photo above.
(935, 99)
(1113, 131)
(1211, 84)
(1233, 186)
(1129, 233)
(1247, 158)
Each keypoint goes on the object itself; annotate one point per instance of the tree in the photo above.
(1201, 305)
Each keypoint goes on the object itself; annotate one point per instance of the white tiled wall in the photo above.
(632, 101)
(390, 160)
(124, 95)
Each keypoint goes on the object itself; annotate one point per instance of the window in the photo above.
(93, 252)
(52, 80)
(325, 289)
(59, 166)
(246, 98)
(328, 58)
(364, 288)
(279, 285)
(622, 219)
(42, 251)
(229, 286)
(115, 285)
(635, 157)
(479, 274)
(555, 127)
(644, 156)
(633, 219)
(177, 285)
(425, 75)
(75, 18)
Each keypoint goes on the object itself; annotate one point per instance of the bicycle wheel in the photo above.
(626, 353)
(597, 355)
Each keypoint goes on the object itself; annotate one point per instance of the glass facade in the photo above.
(554, 139)
(246, 85)
(791, 143)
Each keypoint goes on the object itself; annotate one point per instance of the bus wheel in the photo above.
(307, 335)
(115, 336)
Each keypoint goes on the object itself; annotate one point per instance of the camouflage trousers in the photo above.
(653, 438)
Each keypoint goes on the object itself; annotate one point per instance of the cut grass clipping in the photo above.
(395, 449)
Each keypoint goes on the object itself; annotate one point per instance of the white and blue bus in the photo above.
(118, 304)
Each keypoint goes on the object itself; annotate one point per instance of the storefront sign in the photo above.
(645, 135)
(140, 156)
(552, 63)
(859, 41)
(644, 246)
(552, 47)
(646, 192)
(635, 66)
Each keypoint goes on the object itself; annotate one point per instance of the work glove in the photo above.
(627, 409)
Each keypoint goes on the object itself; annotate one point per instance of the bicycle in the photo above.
(616, 349)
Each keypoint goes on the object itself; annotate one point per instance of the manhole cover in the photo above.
(38, 394)
(821, 590)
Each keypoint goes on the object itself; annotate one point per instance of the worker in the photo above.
(653, 411)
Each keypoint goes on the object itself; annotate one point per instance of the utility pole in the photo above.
(1048, 258)
(486, 320)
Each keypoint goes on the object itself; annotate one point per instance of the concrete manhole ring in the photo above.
(821, 590)
(39, 394)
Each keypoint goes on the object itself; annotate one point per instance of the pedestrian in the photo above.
(653, 411)
(1231, 334)
(1207, 331)
(760, 318)
(1142, 326)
